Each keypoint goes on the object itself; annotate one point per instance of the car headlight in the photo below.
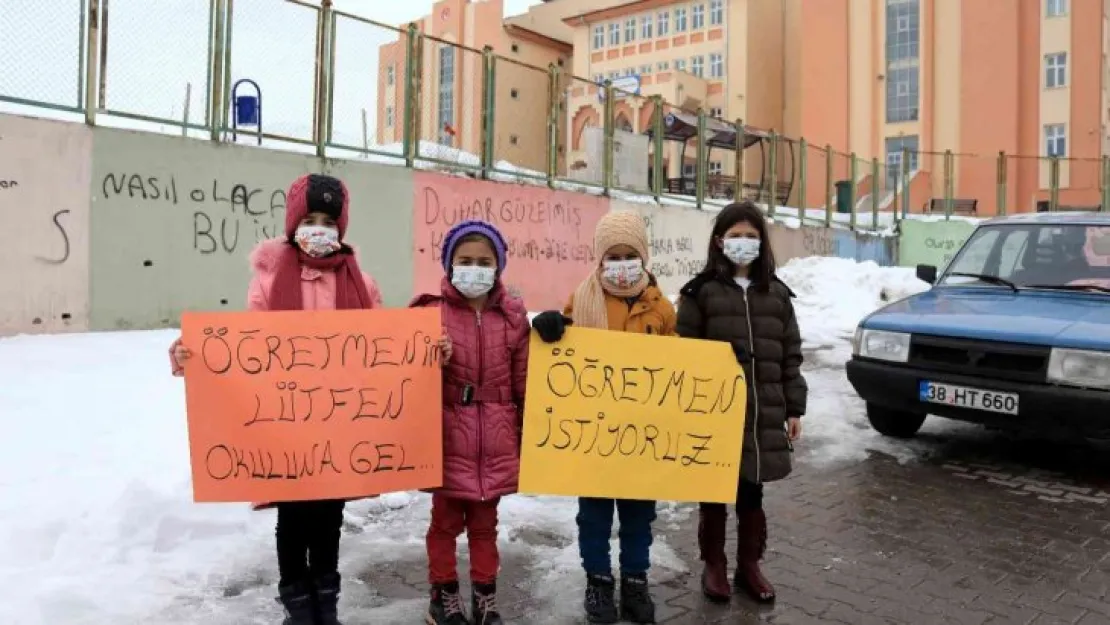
(1078, 367)
(881, 345)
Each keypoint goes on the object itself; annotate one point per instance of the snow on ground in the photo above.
(97, 524)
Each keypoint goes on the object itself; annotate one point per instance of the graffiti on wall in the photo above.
(678, 238)
(227, 215)
(549, 233)
(931, 242)
(47, 198)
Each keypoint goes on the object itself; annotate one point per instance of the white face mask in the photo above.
(742, 251)
(317, 241)
(473, 281)
(622, 274)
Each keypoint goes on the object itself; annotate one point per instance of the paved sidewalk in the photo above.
(982, 531)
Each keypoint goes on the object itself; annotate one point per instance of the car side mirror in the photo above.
(927, 273)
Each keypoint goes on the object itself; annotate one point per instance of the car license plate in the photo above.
(965, 397)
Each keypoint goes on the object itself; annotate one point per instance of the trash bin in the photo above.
(843, 196)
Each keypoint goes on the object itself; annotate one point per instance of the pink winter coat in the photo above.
(317, 291)
(481, 441)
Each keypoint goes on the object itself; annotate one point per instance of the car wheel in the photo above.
(894, 423)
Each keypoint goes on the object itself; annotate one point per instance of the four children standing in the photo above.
(736, 299)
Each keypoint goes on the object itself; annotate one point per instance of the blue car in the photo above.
(1013, 334)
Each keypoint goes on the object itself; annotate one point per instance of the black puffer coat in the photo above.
(763, 324)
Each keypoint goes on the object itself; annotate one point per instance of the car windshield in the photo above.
(1031, 255)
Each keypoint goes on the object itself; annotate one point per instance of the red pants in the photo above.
(449, 518)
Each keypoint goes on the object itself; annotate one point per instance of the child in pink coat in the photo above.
(486, 354)
(311, 268)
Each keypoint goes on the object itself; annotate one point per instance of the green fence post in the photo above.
(699, 171)
(410, 136)
(853, 174)
(738, 164)
(1105, 204)
(803, 172)
(1054, 184)
(324, 47)
(657, 130)
(610, 130)
(773, 155)
(92, 57)
(905, 182)
(489, 103)
(875, 194)
(1000, 194)
(552, 123)
(949, 166)
(829, 185)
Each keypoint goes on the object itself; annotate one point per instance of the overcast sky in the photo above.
(156, 48)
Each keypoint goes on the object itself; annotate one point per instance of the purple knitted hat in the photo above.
(465, 228)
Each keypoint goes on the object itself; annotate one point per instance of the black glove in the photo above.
(551, 325)
(742, 355)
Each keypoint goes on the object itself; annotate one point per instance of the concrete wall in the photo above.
(679, 238)
(44, 202)
(931, 242)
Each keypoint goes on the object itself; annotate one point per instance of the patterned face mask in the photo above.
(473, 281)
(317, 241)
(622, 274)
(742, 251)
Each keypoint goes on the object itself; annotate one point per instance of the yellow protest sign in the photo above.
(633, 416)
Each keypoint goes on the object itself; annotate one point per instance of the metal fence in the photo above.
(339, 84)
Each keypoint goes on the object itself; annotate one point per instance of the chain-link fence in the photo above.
(284, 69)
(42, 53)
(631, 161)
(584, 132)
(171, 37)
(368, 86)
(452, 87)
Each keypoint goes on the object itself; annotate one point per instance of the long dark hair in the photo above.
(717, 265)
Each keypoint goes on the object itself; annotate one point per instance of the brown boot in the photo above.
(751, 543)
(712, 521)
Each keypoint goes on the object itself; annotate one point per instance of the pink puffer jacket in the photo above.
(317, 292)
(481, 441)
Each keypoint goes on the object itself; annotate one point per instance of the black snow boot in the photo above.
(636, 603)
(483, 605)
(297, 600)
(327, 599)
(600, 606)
(446, 606)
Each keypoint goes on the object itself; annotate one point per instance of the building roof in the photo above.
(601, 13)
(549, 18)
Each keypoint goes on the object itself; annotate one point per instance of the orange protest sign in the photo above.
(288, 406)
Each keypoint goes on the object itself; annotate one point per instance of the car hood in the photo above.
(1054, 318)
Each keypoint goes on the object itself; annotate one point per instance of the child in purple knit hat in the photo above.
(485, 358)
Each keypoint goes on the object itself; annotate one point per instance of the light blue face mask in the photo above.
(742, 251)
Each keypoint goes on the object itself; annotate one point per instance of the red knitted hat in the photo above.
(316, 193)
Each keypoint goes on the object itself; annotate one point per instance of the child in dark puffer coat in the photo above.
(485, 351)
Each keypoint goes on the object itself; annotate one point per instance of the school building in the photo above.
(873, 77)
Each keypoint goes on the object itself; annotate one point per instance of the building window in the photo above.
(1055, 140)
(1056, 70)
(614, 34)
(614, 75)
(515, 48)
(894, 150)
(389, 116)
(1056, 8)
(716, 12)
(715, 168)
(680, 20)
(599, 37)
(699, 16)
(630, 71)
(716, 112)
(630, 30)
(716, 66)
(646, 23)
(663, 66)
(390, 75)
(680, 65)
(697, 66)
(513, 139)
(645, 69)
(446, 94)
(599, 78)
(514, 94)
(664, 23)
(903, 37)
